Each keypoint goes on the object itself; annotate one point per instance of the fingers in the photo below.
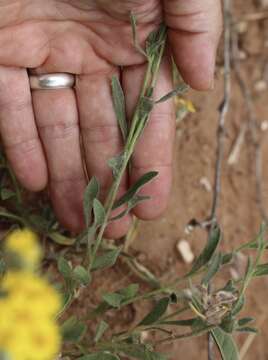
(57, 121)
(18, 129)
(101, 135)
(195, 28)
(154, 150)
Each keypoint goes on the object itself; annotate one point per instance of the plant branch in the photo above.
(224, 108)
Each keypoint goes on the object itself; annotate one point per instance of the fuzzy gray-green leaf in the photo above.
(158, 311)
(130, 291)
(91, 193)
(245, 321)
(73, 330)
(115, 164)
(81, 275)
(108, 259)
(209, 250)
(261, 270)
(248, 329)
(119, 106)
(113, 299)
(145, 179)
(64, 268)
(226, 345)
(179, 90)
(99, 213)
(213, 268)
(102, 327)
(104, 355)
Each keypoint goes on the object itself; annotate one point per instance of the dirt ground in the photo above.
(155, 242)
(195, 161)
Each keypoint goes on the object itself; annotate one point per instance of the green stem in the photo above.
(134, 135)
(186, 335)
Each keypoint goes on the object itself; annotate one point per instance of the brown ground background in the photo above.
(195, 159)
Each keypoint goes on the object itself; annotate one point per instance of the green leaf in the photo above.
(228, 324)
(99, 213)
(213, 268)
(187, 322)
(230, 287)
(238, 305)
(130, 291)
(139, 351)
(7, 194)
(245, 321)
(64, 268)
(146, 106)
(99, 310)
(208, 252)
(91, 193)
(180, 89)
(115, 164)
(145, 179)
(73, 330)
(227, 258)
(247, 329)
(61, 239)
(133, 21)
(104, 355)
(102, 327)
(226, 344)
(119, 106)
(137, 199)
(108, 259)
(158, 311)
(113, 299)
(154, 42)
(3, 267)
(81, 275)
(261, 270)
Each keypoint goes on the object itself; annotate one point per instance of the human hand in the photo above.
(92, 39)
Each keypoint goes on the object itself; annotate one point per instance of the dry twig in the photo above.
(252, 125)
(223, 111)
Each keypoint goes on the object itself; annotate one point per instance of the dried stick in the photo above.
(253, 127)
(223, 110)
(256, 16)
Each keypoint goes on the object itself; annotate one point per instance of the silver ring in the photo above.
(52, 81)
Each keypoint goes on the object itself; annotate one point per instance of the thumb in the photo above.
(194, 31)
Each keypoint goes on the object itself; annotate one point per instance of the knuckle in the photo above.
(102, 133)
(24, 146)
(58, 131)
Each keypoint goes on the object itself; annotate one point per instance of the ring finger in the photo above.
(57, 121)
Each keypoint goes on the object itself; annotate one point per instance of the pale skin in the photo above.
(44, 132)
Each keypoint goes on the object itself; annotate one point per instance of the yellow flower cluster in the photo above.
(25, 245)
(28, 306)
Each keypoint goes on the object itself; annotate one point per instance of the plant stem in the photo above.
(186, 335)
(138, 124)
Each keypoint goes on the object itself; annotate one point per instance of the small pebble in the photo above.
(242, 27)
(185, 251)
(205, 183)
(260, 85)
(144, 336)
(264, 125)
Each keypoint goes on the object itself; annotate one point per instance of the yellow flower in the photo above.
(25, 244)
(186, 104)
(25, 289)
(28, 330)
(33, 341)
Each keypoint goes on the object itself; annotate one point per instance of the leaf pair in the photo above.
(116, 299)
